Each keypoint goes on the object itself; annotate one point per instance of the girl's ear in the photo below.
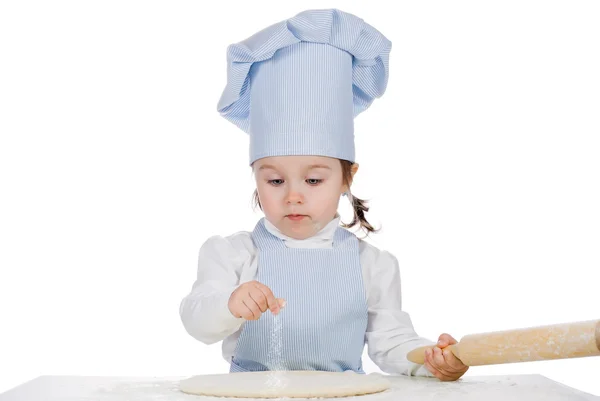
(353, 170)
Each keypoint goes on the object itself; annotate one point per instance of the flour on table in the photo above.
(468, 388)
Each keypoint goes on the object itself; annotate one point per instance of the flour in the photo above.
(275, 355)
(276, 379)
(132, 390)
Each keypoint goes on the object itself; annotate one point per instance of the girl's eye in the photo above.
(311, 181)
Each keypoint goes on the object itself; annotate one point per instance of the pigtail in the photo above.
(360, 207)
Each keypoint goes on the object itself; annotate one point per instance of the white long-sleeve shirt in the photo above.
(224, 263)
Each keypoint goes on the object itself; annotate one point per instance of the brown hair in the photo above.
(358, 205)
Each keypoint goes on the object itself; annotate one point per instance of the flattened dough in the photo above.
(292, 384)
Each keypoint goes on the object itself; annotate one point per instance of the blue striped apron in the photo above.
(324, 322)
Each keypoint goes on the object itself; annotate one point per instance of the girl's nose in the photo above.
(294, 197)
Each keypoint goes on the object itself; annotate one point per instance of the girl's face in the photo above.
(308, 186)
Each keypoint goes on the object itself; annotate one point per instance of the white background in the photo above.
(480, 161)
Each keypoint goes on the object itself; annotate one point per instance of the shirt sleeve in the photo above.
(390, 334)
(204, 311)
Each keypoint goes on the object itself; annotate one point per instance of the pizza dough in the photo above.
(293, 384)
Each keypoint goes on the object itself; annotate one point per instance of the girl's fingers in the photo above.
(431, 369)
(436, 372)
(260, 299)
(245, 312)
(454, 363)
(272, 303)
(445, 339)
(436, 359)
(253, 307)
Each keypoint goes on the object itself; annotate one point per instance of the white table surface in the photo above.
(480, 388)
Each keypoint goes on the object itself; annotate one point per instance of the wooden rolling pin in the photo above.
(559, 341)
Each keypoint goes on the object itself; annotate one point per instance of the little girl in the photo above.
(295, 87)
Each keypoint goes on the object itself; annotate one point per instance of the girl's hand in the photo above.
(250, 300)
(442, 363)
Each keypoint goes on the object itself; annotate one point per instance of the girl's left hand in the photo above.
(442, 363)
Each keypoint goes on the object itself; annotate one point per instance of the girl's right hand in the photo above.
(250, 300)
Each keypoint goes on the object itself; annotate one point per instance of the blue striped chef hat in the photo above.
(296, 86)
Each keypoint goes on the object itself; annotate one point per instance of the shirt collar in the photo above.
(324, 235)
